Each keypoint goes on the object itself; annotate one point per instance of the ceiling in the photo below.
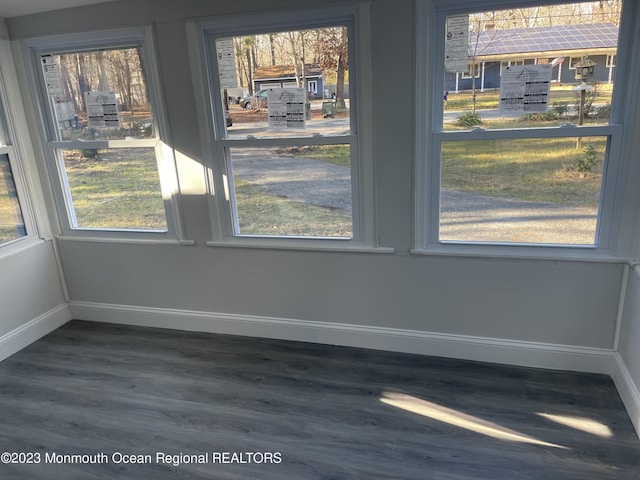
(15, 8)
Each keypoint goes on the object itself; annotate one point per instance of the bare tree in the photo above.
(333, 54)
(549, 15)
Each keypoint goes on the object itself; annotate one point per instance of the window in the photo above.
(290, 167)
(529, 163)
(476, 74)
(12, 223)
(573, 61)
(103, 134)
(510, 63)
(11, 220)
(312, 86)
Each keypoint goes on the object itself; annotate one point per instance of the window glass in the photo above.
(11, 220)
(524, 147)
(286, 84)
(115, 187)
(12, 224)
(524, 66)
(293, 191)
(288, 137)
(547, 193)
(104, 138)
(99, 94)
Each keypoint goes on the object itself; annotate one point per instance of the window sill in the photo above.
(300, 244)
(19, 245)
(522, 252)
(144, 240)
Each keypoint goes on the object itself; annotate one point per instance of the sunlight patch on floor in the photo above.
(583, 424)
(459, 419)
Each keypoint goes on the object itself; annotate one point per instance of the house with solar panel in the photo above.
(560, 45)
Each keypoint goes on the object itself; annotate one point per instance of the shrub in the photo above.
(142, 128)
(603, 112)
(469, 119)
(590, 98)
(587, 160)
(90, 153)
(559, 109)
(540, 117)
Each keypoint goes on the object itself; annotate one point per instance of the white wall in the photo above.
(527, 301)
(32, 300)
(558, 314)
(628, 378)
(548, 302)
(30, 288)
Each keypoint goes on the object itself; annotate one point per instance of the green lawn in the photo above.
(118, 189)
(261, 214)
(9, 216)
(536, 169)
(540, 170)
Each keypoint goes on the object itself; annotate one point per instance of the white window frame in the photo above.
(11, 144)
(7, 148)
(33, 49)
(510, 63)
(467, 76)
(202, 35)
(573, 60)
(430, 135)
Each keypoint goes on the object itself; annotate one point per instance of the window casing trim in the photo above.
(202, 35)
(430, 28)
(14, 140)
(32, 50)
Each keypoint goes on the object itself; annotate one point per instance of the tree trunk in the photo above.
(294, 56)
(340, 71)
(272, 49)
(250, 70)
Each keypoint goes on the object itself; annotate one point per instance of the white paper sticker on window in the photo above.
(226, 63)
(456, 46)
(525, 89)
(286, 108)
(51, 76)
(102, 109)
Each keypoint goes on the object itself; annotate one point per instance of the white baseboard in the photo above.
(33, 330)
(531, 354)
(628, 391)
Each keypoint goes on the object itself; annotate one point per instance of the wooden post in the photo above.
(581, 117)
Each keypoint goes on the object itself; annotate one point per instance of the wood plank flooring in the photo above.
(269, 409)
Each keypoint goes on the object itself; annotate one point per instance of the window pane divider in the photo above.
(288, 141)
(543, 132)
(99, 144)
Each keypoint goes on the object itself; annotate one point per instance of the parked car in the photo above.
(258, 100)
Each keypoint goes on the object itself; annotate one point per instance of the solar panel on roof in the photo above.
(558, 37)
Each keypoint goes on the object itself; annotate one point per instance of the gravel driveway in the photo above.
(480, 218)
(301, 179)
(464, 216)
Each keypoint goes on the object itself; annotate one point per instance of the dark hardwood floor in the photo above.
(269, 409)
